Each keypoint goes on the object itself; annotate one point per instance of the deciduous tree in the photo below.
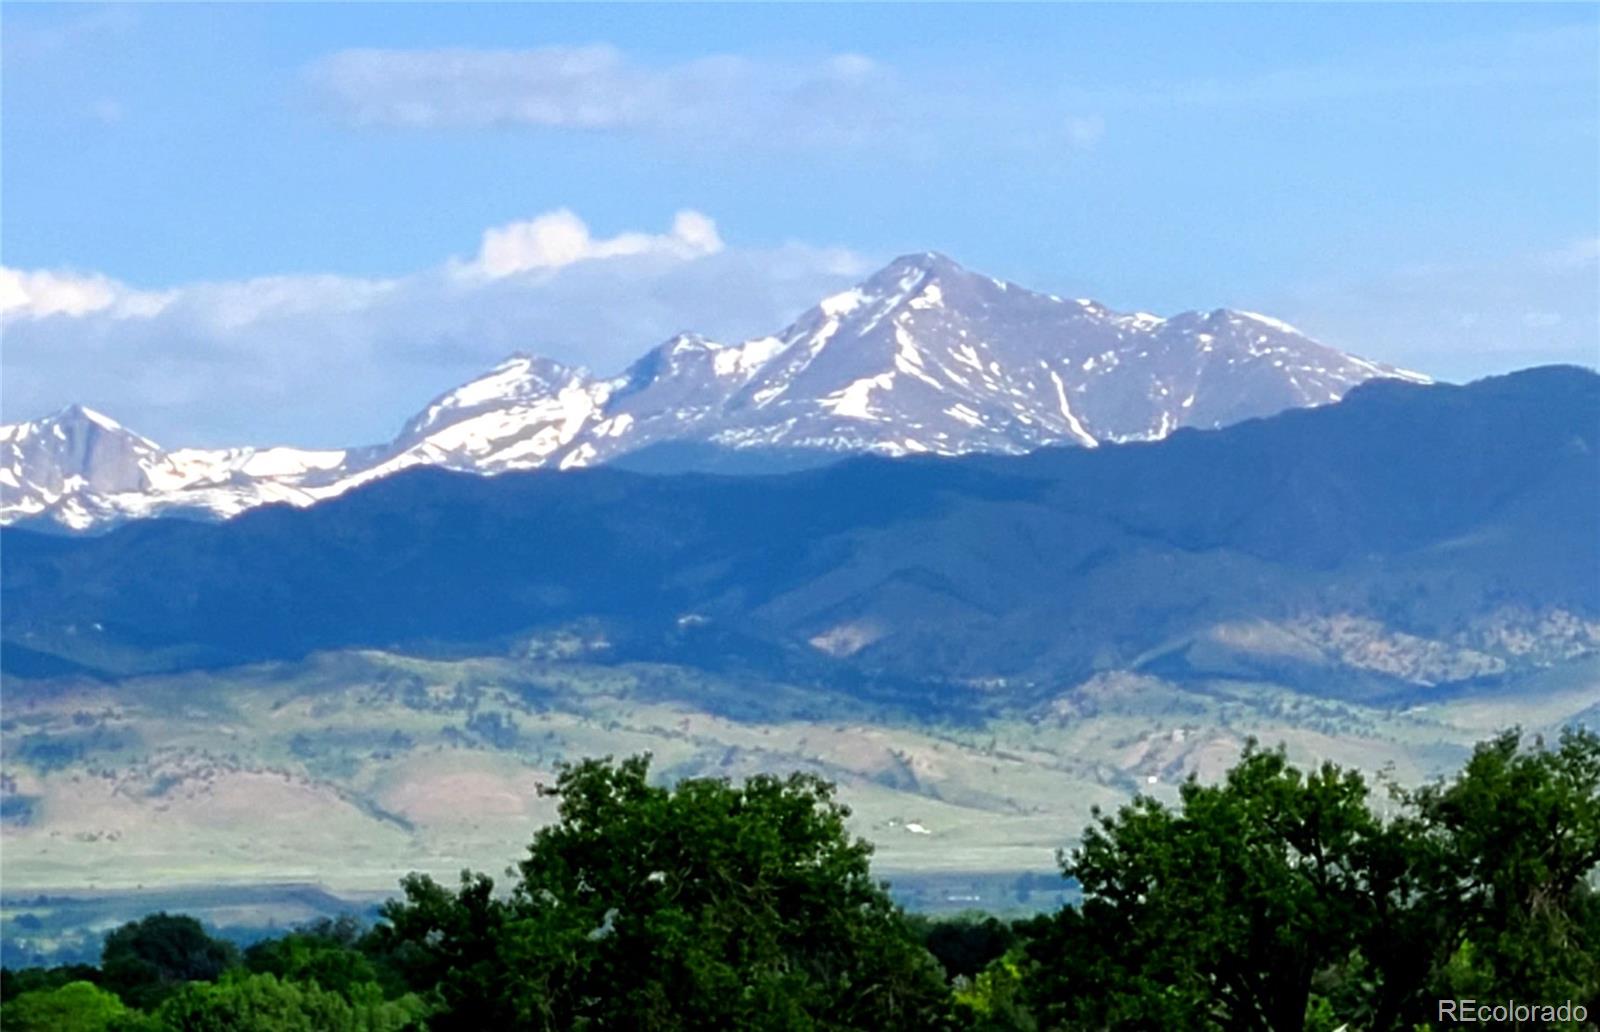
(703, 905)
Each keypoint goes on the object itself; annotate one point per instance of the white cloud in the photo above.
(41, 293)
(338, 360)
(599, 88)
(559, 238)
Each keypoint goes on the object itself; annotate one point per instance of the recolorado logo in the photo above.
(1471, 1011)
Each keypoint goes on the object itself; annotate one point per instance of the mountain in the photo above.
(1412, 536)
(80, 468)
(923, 357)
(977, 650)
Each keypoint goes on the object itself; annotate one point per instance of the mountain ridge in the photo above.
(1410, 536)
(924, 356)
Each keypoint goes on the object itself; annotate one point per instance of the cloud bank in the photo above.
(334, 360)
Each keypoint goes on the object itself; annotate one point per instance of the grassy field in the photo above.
(345, 771)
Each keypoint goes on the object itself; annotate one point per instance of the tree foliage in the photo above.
(1218, 914)
(73, 1007)
(963, 944)
(326, 952)
(1519, 833)
(698, 906)
(1273, 898)
(263, 1003)
(16, 981)
(145, 961)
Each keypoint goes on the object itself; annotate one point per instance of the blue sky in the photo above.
(224, 222)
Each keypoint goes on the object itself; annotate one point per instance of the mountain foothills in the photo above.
(923, 357)
(1411, 536)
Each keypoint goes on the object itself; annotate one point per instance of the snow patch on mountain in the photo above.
(855, 401)
(1084, 437)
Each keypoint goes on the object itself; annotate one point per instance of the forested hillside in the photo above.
(1410, 535)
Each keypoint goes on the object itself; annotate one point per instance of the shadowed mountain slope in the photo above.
(1411, 535)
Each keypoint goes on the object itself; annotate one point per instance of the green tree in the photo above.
(1278, 901)
(1517, 835)
(1221, 914)
(74, 1007)
(994, 1001)
(144, 961)
(325, 952)
(262, 1003)
(16, 981)
(965, 943)
(700, 906)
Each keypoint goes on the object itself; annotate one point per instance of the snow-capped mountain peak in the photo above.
(520, 379)
(922, 356)
(73, 448)
(79, 468)
(77, 413)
